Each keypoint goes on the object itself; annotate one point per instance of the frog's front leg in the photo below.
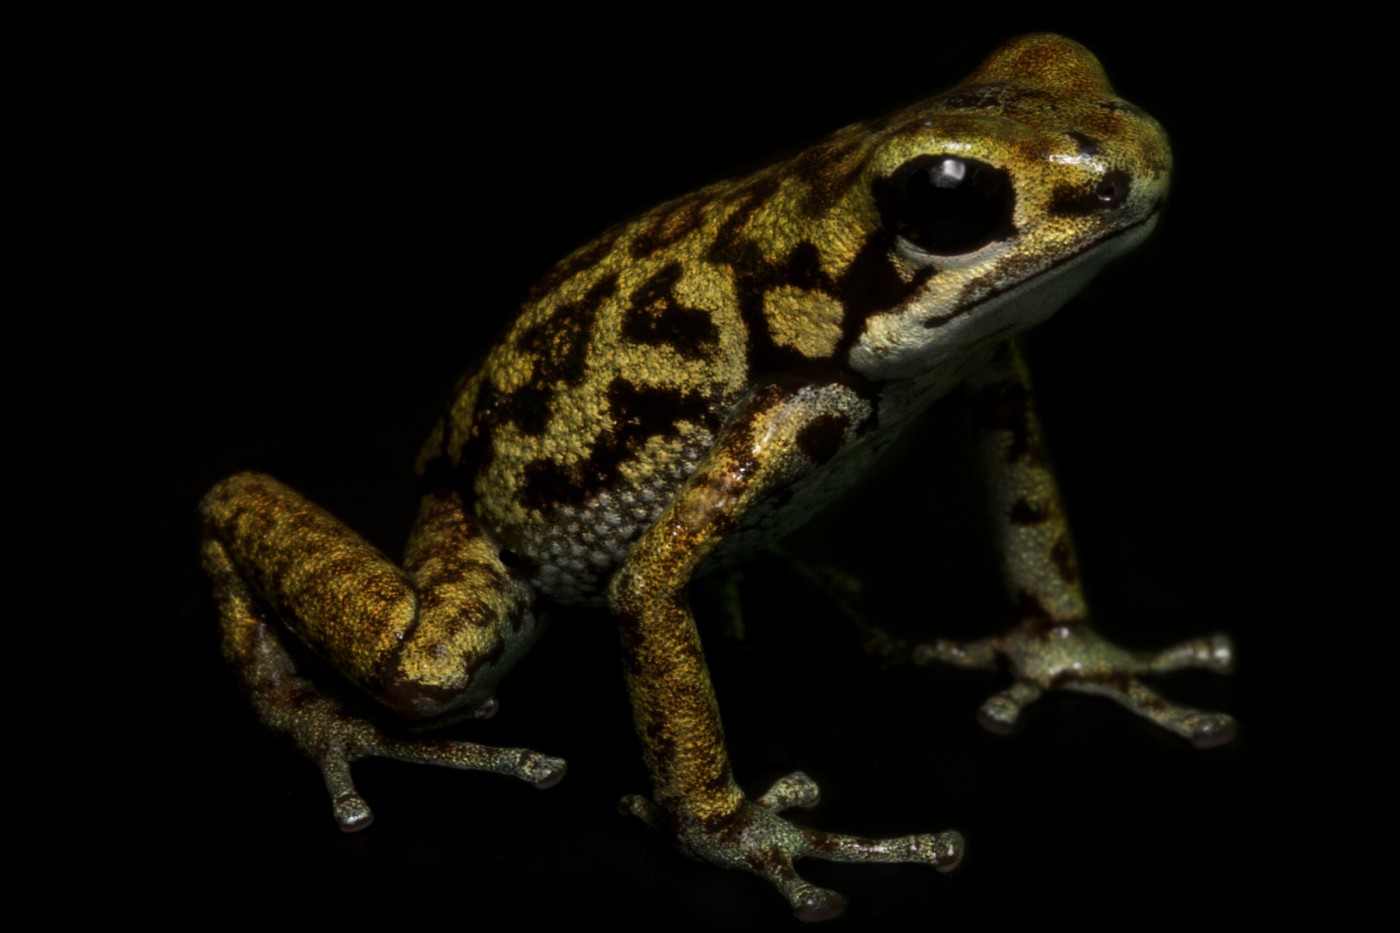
(1051, 646)
(428, 639)
(781, 434)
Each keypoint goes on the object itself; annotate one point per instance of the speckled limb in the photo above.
(757, 840)
(1051, 646)
(269, 551)
(674, 706)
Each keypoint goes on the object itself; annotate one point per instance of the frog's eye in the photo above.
(946, 205)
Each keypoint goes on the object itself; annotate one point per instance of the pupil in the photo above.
(948, 206)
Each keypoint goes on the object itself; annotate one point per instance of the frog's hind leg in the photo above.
(1051, 646)
(433, 637)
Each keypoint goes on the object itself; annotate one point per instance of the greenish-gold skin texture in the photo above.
(694, 383)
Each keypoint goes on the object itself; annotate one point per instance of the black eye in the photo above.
(948, 206)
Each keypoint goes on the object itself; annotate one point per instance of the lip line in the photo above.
(940, 321)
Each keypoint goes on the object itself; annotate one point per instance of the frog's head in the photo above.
(981, 211)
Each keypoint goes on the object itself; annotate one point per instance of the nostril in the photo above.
(1112, 189)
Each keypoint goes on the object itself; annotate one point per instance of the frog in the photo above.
(695, 383)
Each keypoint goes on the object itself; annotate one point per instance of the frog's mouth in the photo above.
(1064, 273)
(985, 309)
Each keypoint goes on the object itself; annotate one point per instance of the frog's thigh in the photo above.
(423, 640)
(1052, 646)
(434, 637)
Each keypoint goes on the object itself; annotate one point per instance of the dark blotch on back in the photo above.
(639, 413)
(824, 168)
(527, 408)
(729, 243)
(669, 224)
(642, 412)
(657, 318)
(802, 267)
(585, 258)
(753, 277)
(560, 343)
(869, 285)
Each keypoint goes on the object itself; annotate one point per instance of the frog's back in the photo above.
(600, 399)
(627, 361)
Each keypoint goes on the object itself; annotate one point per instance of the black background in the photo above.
(338, 217)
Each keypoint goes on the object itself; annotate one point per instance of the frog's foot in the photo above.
(334, 737)
(756, 839)
(1052, 655)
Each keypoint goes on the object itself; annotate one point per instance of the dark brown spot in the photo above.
(1030, 609)
(755, 278)
(829, 169)
(715, 786)
(528, 408)
(476, 450)
(454, 572)
(667, 225)
(586, 258)
(821, 438)
(639, 413)
(657, 318)
(483, 616)
(560, 346)
(297, 696)
(406, 697)
(560, 343)
(1062, 555)
(1005, 407)
(657, 734)
(1025, 512)
(802, 267)
(872, 284)
(627, 611)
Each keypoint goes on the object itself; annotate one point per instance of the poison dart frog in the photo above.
(697, 382)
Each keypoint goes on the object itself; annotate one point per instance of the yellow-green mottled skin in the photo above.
(696, 381)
